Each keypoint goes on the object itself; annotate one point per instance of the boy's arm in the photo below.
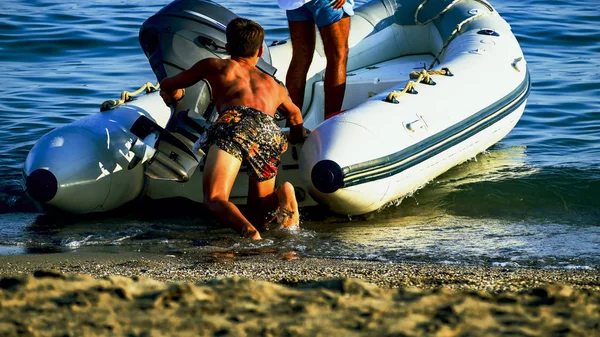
(294, 117)
(171, 85)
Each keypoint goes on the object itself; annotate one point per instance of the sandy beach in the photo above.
(275, 293)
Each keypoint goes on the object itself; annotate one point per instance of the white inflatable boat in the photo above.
(430, 85)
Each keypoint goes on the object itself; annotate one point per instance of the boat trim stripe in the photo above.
(395, 163)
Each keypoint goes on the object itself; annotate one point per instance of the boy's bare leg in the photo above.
(262, 201)
(335, 41)
(220, 171)
(266, 203)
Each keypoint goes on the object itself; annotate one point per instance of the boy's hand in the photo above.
(337, 4)
(298, 134)
(171, 99)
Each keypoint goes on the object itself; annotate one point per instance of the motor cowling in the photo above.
(174, 39)
(181, 34)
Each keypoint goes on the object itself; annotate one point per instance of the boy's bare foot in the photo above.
(287, 213)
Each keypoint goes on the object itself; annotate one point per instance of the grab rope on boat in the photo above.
(127, 96)
(458, 27)
(423, 76)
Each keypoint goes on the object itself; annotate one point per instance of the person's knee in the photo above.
(304, 52)
(213, 203)
(301, 62)
(342, 51)
(299, 68)
(337, 54)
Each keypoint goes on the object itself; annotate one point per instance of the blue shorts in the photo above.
(321, 12)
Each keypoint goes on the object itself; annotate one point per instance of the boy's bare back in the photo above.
(238, 82)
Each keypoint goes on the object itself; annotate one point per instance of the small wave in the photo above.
(119, 240)
(577, 267)
(552, 193)
(77, 243)
(505, 264)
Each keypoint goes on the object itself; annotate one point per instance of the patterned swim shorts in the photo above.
(249, 135)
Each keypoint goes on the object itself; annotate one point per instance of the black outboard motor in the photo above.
(174, 39)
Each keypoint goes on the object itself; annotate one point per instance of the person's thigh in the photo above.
(324, 15)
(220, 171)
(335, 36)
(303, 36)
(299, 14)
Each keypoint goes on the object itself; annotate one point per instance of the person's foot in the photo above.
(287, 213)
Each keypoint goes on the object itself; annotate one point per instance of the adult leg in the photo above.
(303, 36)
(335, 41)
(220, 171)
(265, 203)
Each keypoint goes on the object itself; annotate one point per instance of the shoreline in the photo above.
(273, 293)
(288, 268)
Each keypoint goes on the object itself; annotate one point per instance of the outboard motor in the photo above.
(174, 39)
(87, 166)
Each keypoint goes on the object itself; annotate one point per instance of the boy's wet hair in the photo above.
(244, 37)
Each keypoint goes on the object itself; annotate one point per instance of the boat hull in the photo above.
(382, 147)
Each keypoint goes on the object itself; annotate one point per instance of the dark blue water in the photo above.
(533, 200)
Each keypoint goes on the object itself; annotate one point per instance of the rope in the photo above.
(423, 76)
(426, 73)
(416, 16)
(127, 96)
(458, 26)
(417, 22)
(393, 96)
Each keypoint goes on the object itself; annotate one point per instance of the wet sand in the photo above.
(273, 293)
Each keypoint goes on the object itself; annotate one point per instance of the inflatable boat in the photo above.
(430, 85)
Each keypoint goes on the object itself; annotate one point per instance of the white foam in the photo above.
(505, 264)
(76, 244)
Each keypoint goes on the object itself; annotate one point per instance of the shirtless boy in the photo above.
(245, 131)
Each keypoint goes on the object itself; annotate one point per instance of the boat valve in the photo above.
(488, 32)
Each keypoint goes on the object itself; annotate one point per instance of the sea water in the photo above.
(533, 200)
